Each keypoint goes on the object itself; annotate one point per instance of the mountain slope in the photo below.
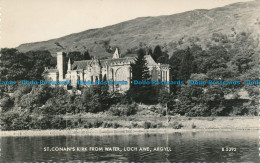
(168, 31)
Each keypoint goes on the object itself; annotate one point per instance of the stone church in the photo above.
(114, 69)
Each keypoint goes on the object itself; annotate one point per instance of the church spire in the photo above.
(69, 65)
(116, 54)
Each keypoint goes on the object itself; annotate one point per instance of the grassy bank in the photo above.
(101, 124)
(100, 131)
(152, 121)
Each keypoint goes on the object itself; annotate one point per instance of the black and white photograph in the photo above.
(129, 81)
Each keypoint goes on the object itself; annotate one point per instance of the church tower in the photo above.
(61, 65)
(116, 54)
(69, 65)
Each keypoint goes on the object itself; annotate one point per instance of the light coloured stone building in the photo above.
(114, 69)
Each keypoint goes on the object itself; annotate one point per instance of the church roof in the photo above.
(112, 61)
(83, 64)
(150, 61)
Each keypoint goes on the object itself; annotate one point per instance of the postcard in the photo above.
(129, 81)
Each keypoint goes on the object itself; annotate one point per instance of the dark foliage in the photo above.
(140, 72)
(41, 107)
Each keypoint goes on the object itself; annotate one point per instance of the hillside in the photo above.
(171, 31)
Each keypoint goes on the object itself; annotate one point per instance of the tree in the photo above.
(36, 63)
(221, 74)
(217, 58)
(244, 59)
(86, 56)
(182, 64)
(157, 53)
(24, 66)
(149, 51)
(96, 98)
(186, 66)
(14, 65)
(75, 56)
(6, 103)
(164, 58)
(140, 72)
(164, 96)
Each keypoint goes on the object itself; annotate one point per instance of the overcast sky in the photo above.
(24, 21)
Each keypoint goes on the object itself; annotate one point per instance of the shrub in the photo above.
(176, 125)
(246, 109)
(96, 98)
(110, 125)
(134, 124)
(15, 120)
(115, 125)
(69, 124)
(49, 122)
(211, 118)
(156, 125)
(159, 109)
(123, 110)
(193, 125)
(199, 110)
(107, 125)
(131, 118)
(58, 123)
(162, 111)
(87, 125)
(96, 124)
(147, 125)
(6, 103)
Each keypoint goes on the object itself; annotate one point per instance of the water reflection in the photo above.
(187, 146)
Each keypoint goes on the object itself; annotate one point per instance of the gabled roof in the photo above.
(150, 60)
(81, 64)
(113, 61)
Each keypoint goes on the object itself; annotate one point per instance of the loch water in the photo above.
(207, 146)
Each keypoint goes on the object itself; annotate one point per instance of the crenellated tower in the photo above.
(61, 65)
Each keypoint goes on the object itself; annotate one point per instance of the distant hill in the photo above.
(171, 31)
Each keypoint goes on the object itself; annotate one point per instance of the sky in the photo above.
(24, 21)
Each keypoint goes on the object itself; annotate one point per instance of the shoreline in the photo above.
(125, 126)
(108, 131)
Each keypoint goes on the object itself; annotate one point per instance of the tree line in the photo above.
(25, 107)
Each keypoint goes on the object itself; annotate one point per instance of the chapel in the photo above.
(115, 69)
